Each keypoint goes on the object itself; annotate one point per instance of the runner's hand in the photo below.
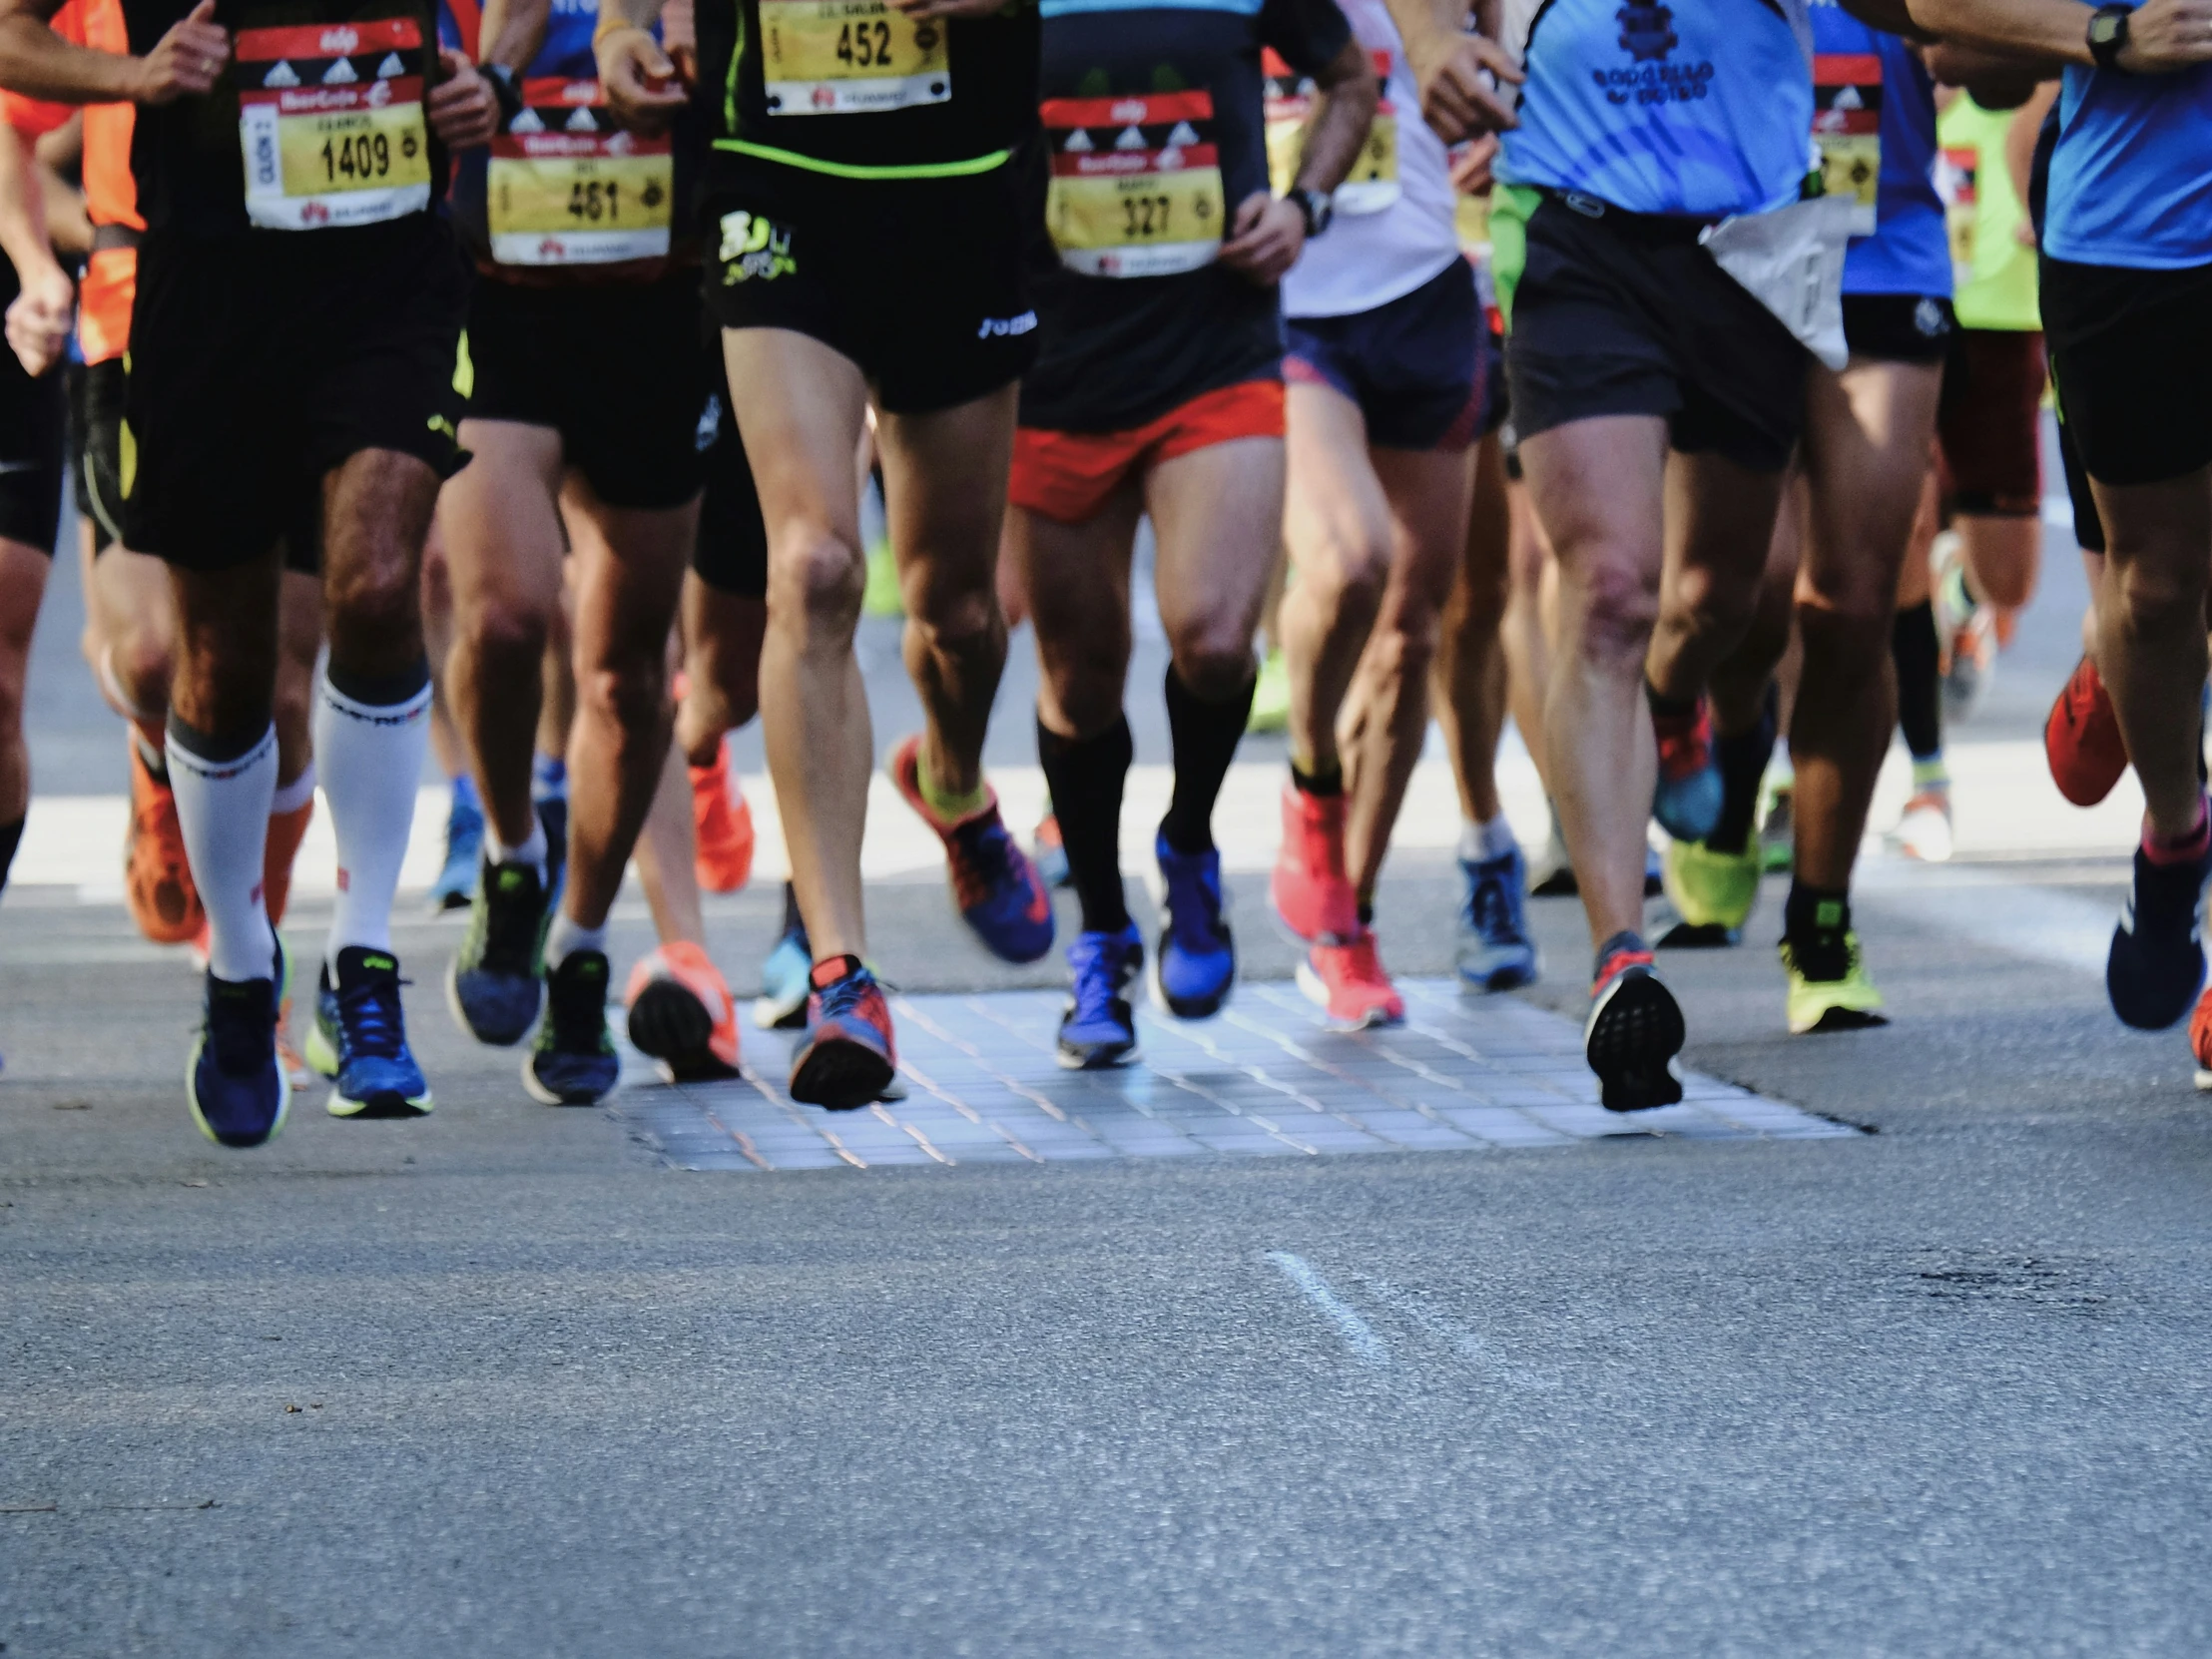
(1454, 99)
(39, 319)
(1269, 237)
(463, 110)
(947, 8)
(186, 61)
(1471, 164)
(640, 79)
(2166, 35)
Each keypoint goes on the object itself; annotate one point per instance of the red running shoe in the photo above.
(2081, 739)
(721, 826)
(1348, 979)
(848, 1058)
(1310, 891)
(156, 877)
(2200, 1038)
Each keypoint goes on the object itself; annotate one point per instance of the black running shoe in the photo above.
(573, 1062)
(1634, 1031)
(497, 981)
(2156, 963)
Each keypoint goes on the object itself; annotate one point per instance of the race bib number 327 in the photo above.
(1136, 183)
(850, 56)
(330, 124)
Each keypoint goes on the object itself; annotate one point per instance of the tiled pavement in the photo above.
(1266, 1078)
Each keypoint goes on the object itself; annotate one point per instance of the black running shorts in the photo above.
(96, 442)
(918, 282)
(1898, 327)
(732, 553)
(34, 426)
(262, 360)
(2131, 354)
(1618, 313)
(613, 368)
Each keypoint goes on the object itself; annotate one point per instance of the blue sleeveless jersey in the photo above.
(1908, 252)
(2131, 180)
(1702, 108)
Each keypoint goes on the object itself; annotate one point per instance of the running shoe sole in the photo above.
(1510, 979)
(1318, 994)
(322, 1060)
(545, 1095)
(670, 1024)
(1698, 935)
(1108, 1059)
(841, 1075)
(1167, 1004)
(191, 1096)
(1631, 1040)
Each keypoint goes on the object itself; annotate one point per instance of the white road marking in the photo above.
(1358, 1336)
(1459, 1340)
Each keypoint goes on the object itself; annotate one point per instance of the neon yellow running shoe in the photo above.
(1850, 1004)
(1712, 893)
(1271, 695)
(882, 596)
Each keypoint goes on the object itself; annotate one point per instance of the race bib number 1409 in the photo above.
(330, 124)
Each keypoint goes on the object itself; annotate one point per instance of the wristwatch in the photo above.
(503, 89)
(1315, 207)
(2108, 36)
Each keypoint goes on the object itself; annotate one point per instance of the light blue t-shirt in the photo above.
(2131, 180)
(1909, 253)
(1702, 108)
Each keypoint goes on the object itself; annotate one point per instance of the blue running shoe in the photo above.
(848, 1058)
(236, 1081)
(997, 889)
(573, 1062)
(497, 980)
(1687, 796)
(781, 1004)
(1495, 953)
(1197, 959)
(464, 843)
(1099, 1029)
(2156, 964)
(359, 1041)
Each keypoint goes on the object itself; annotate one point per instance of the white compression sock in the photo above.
(371, 757)
(566, 937)
(222, 810)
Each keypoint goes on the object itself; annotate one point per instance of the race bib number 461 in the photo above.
(850, 56)
(330, 124)
(567, 187)
(1136, 183)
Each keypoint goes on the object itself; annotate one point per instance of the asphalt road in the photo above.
(500, 1384)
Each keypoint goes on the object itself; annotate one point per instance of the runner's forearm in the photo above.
(1420, 21)
(1348, 96)
(2041, 28)
(514, 32)
(22, 208)
(626, 14)
(38, 63)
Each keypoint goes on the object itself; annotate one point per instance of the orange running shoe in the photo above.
(2081, 739)
(1347, 980)
(2200, 1038)
(285, 832)
(1310, 891)
(156, 877)
(681, 1014)
(721, 826)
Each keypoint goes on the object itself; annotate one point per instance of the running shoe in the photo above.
(1778, 831)
(2200, 1040)
(359, 1041)
(1842, 999)
(2082, 737)
(1974, 665)
(1098, 1029)
(464, 845)
(234, 1081)
(1052, 854)
(1347, 980)
(1924, 832)
(1495, 953)
(497, 981)
(1309, 889)
(994, 885)
(848, 1057)
(1634, 1030)
(1553, 877)
(157, 877)
(2156, 965)
(573, 1062)
(1687, 796)
(781, 1004)
(681, 1014)
(1712, 892)
(1271, 695)
(722, 826)
(1196, 962)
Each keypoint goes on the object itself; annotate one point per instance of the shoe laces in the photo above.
(1489, 906)
(241, 1025)
(369, 1013)
(1360, 960)
(982, 861)
(856, 996)
(576, 1003)
(1099, 966)
(1194, 903)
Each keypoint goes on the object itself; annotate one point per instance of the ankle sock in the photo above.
(1086, 777)
(2179, 850)
(371, 736)
(1931, 773)
(534, 851)
(948, 807)
(224, 788)
(566, 937)
(1815, 922)
(1323, 782)
(1206, 735)
(1480, 842)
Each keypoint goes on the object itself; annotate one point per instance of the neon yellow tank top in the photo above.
(1992, 270)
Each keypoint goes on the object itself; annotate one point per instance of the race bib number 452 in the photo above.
(850, 56)
(1136, 183)
(330, 124)
(567, 187)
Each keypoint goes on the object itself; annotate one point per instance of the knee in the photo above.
(2155, 592)
(817, 583)
(1702, 602)
(957, 622)
(1614, 611)
(1352, 569)
(373, 593)
(631, 696)
(507, 632)
(1213, 662)
(143, 656)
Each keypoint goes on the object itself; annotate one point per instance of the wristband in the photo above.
(503, 88)
(611, 23)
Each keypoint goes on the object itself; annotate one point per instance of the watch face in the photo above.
(2104, 29)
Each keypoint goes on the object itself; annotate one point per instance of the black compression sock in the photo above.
(1669, 708)
(1743, 762)
(1085, 776)
(1206, 738)
(1917, 654)
(1322, 784)
(1814, 923)
(10, 837)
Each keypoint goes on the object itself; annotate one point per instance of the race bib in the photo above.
(1954, 183)
(569, 187)
(1372, 185)
(1847, 125)
(850, 56)
(1136, 183)
(330, 124)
